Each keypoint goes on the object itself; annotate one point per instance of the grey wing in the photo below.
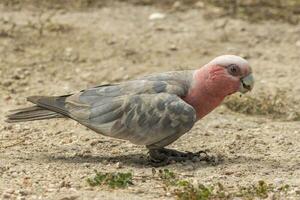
(145, 119)
(147, 111)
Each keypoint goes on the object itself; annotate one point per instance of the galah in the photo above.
(153, 110)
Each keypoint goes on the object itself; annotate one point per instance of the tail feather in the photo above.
(31, 114)
(55, 103)
(45, 108)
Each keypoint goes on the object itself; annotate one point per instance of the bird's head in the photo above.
(228, 74)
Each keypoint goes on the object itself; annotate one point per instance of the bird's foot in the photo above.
(160, 157)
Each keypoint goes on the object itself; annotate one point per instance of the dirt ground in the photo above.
(60, 51)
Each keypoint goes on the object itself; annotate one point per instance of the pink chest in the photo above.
(203, 104)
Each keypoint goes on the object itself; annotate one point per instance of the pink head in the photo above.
(226, 75)
(222, 76)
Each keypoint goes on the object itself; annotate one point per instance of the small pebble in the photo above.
(118, 165)
(6, 196)
(199, 4)
(177, 4)
(156, 16)
(23, 192)
(228, 173)
(278, 181)
(173, 47)
(189, 168)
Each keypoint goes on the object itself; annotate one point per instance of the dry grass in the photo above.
(185, 190)
(112, 180)
(43, 25)
(52, 4)
(253, 10)
(277, 106)
(257, 10)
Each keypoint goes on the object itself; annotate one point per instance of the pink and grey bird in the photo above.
(153, 110)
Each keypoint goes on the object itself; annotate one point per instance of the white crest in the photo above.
(225, 60)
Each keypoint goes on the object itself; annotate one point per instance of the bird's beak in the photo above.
(247, 84)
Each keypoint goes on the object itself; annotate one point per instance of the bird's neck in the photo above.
(203, 95)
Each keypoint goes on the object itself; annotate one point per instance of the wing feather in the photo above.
(145, 119)
(147, 111)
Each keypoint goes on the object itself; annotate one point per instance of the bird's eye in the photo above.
(233, 69)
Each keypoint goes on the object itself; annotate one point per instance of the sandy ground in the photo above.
(59, 52)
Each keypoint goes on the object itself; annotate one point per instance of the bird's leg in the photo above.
(163, 155)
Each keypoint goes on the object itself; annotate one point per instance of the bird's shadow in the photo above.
(139, 160)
